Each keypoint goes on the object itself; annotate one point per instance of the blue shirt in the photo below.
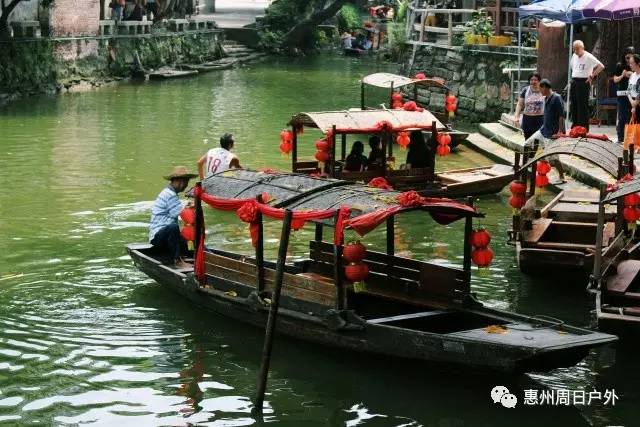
(165, 210)
(553, 110)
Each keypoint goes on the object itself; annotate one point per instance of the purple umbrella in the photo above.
(612, 9)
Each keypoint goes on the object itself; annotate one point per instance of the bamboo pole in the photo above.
(294, 149)
(337, 270)
(597, 260)
(468, 226)
(260, 250)
(273, 312)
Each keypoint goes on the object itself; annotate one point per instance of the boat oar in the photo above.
(273, 313)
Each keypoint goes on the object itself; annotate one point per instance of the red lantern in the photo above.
(403, 140)
(420, 76)
(322, 156)
(286, 136)
(542, 181)
(396, 97)
(517, 201)
(444, 139)
(518, 187)
(450, 104)
(443, 150)
(632, 199)
(188, 215)
(356, 272)
(482, 257)
(480, 238)
(543, 167)
(285, 147)
(188, 232)
(322, 145)
(354, 252)
(630, 214)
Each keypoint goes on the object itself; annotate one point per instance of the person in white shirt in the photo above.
(584, 68)
(634, 83)
(218, 159)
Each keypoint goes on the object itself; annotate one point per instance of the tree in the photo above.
(173, 8)
(5, 12)
(302, 34)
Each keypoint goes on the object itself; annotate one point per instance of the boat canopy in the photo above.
(305, 193)
(389, 80)
(367, 121)
(602, 154)
(623, 189)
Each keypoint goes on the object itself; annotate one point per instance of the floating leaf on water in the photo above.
(267, 301)
(11, 276)
(231, 293)
(496, 329)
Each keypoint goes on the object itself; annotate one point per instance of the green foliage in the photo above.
(401, 14)
(480, 24)
(282, 15)
(348, 18)
(270, 40)
(397, 40)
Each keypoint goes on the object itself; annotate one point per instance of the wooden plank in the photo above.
(627, 272)
(544, 211)
(539, 225)
(564, 245)
(421, 314)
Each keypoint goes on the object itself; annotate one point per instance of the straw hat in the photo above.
(345, 35)
(180, 172)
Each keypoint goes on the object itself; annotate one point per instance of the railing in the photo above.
(505, 19)
(516, 76)
(422, 28)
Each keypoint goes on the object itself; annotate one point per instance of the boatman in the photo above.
(554, 112)
(164, 232)
(218, 159)
(584, 68)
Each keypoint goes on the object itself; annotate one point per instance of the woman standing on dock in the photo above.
(531, 105)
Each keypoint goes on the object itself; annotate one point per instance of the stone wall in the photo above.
(74, 17)
(474, 73)
(52, 65)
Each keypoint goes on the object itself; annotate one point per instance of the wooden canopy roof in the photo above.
(305, 193)
(385, 80)
(365, 121)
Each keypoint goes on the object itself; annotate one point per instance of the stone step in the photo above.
(236, 49)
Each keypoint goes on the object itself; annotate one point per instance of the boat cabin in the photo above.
(563, 232)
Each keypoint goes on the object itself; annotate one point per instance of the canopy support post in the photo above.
(332, 160)
(391, 95)
(632, 165)
(362, 106)
(567, 123)
(468, 227)
(391, 250)
(294, 149)
(621, 224)
(273, 312)
(389, 143)
(432, 150)
(597, 260)
(337, 270)
(199, 225)
(260, 250)
(532, 177)
(512, 97)
(319, 230)
(344, 146)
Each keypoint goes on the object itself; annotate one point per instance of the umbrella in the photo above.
(567, 11)
(612, 9)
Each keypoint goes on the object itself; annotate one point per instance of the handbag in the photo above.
(632, 133)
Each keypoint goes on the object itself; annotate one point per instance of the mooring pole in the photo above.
(597, 260)
(260, 250)
(273, 313)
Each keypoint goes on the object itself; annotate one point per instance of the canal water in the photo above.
(85, 339)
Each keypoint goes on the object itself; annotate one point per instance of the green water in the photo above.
(87, 339)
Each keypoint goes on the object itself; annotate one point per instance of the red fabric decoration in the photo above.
(517, 201)
(480, 238)
(354, 252)
(380, 182)
(542, 181)
(356, 272)
(482, 257)
(188, 233)
(248, 212)
(443, 150)
(420, 76)
(411, 106)
(410, 199)
(543, 167)
(403, 140)
(322, 156)
(578, 132)
(383, 126)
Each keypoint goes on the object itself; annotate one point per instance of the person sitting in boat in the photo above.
(346, 38)
(419, 154)
(219, 159)
(164, 232)
(360, 41)
(554, 113)
(356, 160)
(377, 158)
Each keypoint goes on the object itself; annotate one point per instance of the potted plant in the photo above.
(479, 28)
(496, 40)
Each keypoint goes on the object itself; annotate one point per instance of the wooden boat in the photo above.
(562, 234)
(221, 64)
(410, 89)
(454, 183)
(616, 279)
(409, 309)
(170, 73)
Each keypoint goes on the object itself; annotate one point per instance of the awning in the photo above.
(385, 80)
(367, 121)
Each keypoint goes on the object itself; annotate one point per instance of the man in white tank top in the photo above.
(218, 159)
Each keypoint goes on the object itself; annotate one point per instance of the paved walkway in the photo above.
(238, 13)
